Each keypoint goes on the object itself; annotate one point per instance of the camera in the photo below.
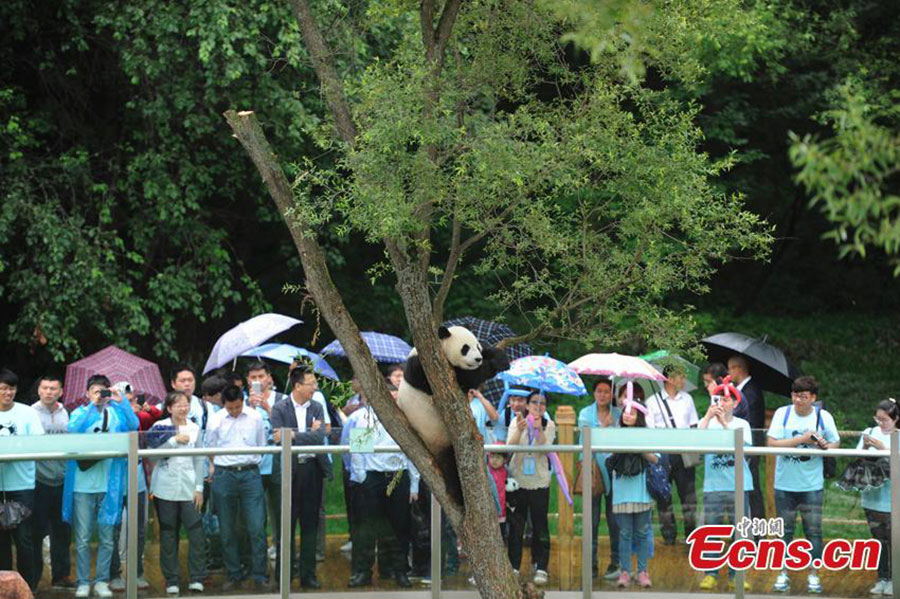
(141, 399)
(816, 438)
(105, 394)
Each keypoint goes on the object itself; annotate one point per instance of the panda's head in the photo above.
(461, 347)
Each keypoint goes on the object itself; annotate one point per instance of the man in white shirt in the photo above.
(237, 486)
(674, 408)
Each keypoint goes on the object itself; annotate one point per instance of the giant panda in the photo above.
(472, 365)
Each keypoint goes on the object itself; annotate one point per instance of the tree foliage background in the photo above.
(128, 217)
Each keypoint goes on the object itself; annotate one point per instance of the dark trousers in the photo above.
(420, 537)
(383, 519)
(239, 494)
(306, 495)
(348, 500)
(880, 525)
(597, 503)
(684, 479)
(211, 529)
(522, 503)
(757, 500)
(172, 516)
(115, 565)
(21, 537)
(272, 488)
(47, 520)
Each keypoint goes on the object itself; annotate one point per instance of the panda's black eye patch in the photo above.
(465, 349)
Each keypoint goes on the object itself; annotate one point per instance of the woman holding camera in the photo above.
(177, 487)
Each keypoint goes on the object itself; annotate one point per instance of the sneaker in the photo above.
(196, 587)
(101, 589)
(813, 584)
(878, 589)
(142, 583)
(426, 580)
(272, 553)
(83, 591)
(172, 589)
(643, 579)
(708, 583)
(347, 547)
(540, 577)
(782, 583)
(888, 588)
(624, 579)
(612, 572)
(64, 584)
(116, 584)
(472, 580)
(731, 584)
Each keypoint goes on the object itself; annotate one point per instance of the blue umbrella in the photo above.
(544, 373)
(384, 348)
(285, 353)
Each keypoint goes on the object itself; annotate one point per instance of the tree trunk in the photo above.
(477, 525)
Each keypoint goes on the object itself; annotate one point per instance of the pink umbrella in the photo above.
(117, 365)
(616, 365)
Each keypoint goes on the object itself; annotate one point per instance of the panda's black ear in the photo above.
(443, 332)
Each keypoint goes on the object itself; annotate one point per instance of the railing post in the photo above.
(587, 526)
(287, 533)
(131, 528)
(565, 423)
(895, 512)
(435, 548)
(738, 500)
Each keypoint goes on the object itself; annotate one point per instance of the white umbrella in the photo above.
(246, 336)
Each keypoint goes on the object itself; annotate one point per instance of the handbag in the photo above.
(688, 459)
(597, 486)
(12, 513)
(658, 480)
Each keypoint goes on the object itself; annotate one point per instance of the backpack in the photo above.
(658, 480)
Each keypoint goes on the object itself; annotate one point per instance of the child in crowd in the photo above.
(719, 483)
(632, 504)
(877, 502)
(499, 475)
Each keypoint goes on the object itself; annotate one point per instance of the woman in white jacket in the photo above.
(177, 488)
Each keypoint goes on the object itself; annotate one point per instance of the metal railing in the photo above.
(587, 448)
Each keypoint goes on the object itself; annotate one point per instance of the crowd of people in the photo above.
(225, 504)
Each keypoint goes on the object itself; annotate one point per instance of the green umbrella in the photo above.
(662, 358)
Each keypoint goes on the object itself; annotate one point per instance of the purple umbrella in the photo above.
(117, 365)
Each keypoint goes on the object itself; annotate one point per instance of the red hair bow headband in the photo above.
(629, 400)
(728, 390)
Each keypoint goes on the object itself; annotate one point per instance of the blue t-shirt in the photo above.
(588, 417)
(18, 420)
(480, 416)
(879, 499)
(800, 473)
(631, 489)
(719, 468)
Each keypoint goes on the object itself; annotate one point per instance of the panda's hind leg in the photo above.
(446, 461)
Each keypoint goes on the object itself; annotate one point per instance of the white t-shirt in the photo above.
(682, 406)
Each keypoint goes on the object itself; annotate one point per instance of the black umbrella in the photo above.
(491, 333)
(769, 367)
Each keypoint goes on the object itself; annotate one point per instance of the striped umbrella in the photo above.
(117, 365)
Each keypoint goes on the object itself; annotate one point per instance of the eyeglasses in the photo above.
(882, 420)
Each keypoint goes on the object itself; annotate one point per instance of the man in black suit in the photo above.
(305, 419)
(752, 408)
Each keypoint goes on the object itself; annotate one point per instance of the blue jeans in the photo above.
(85, 508)
(634, 529)
(239, 495)
(809, 504)
(718, 508)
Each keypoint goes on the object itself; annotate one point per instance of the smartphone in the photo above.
(141, 399)
(105, 394)
(256, 386)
